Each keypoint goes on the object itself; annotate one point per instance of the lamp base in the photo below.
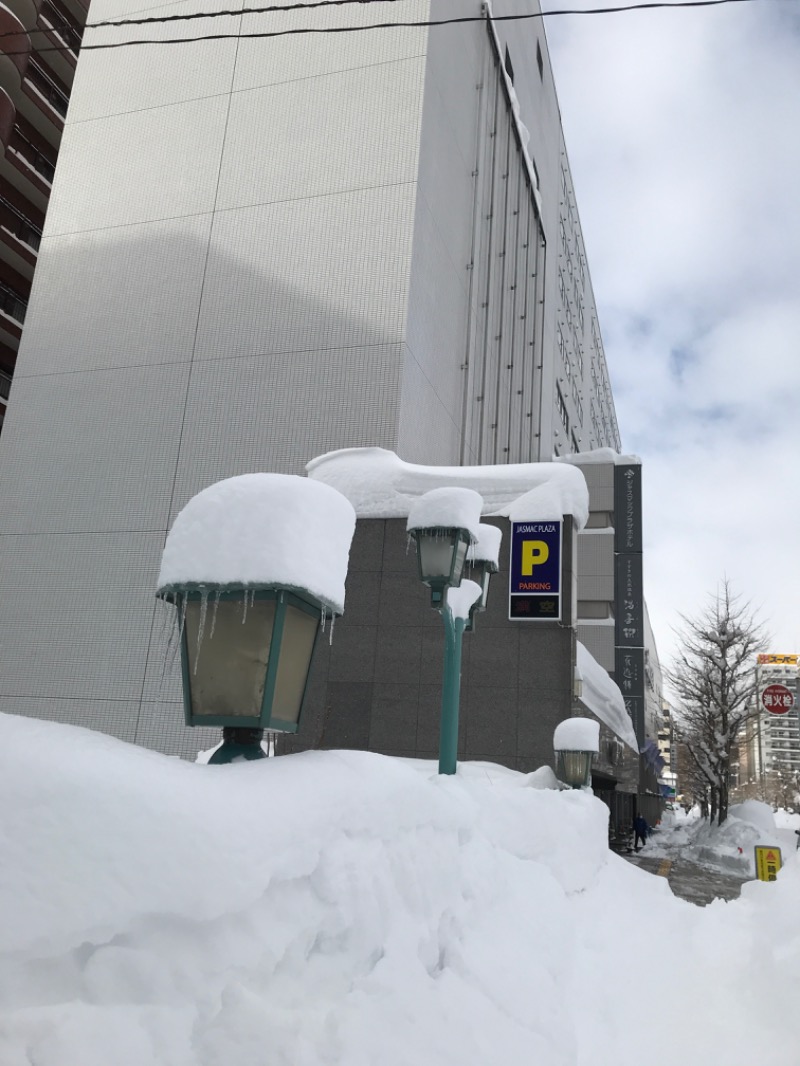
(239, 743)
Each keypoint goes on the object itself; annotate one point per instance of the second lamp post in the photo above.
(445, 523)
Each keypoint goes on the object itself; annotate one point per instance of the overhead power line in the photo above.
(306, 30)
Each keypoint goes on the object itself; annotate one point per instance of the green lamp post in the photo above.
(253, 580)
(576, 741)
(444, 523)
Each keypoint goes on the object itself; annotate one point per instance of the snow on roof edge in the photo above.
(602, 697)
(381, 485)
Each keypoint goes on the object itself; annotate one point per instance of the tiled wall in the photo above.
(378, 685)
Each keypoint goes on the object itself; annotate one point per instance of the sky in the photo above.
(683, 134)
(342, 907)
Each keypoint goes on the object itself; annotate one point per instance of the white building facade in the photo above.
(260, 249)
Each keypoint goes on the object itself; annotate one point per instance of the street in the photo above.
(688, 880)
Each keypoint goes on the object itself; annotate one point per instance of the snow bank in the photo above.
(263, 530)
(349, 908)
(380, 485)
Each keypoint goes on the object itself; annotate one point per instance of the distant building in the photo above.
(769, 749)
(260, 250)
(39, 44)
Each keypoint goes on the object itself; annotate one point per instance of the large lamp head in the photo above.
(245, 654)
(444, 523)
(576, 741)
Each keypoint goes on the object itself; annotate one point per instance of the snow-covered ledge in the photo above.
(381, 485)
(602, 697)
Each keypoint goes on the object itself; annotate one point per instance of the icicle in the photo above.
(323, 618)
(177, 634)
(244, 607)
(409, 540)
(201, 625)
(214, 615)
(333, 622)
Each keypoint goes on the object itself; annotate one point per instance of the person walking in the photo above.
(640, 829)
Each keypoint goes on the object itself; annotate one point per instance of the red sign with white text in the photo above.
(777, 699)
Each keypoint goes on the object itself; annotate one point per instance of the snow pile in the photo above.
(731, 846)
(486, 547)
(263, 530)
(461, 599)
(380, 485)
(448, 508)
(349, 908)
(577, 734)
(542, 504)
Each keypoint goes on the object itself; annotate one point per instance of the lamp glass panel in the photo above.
(435, 557)
(227, 667)
(485, 586)
(297, 646)
(573, 767)
(461, 555)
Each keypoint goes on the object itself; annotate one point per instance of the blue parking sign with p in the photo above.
(535, 571)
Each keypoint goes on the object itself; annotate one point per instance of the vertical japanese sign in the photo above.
(535, 572)
(629, 666)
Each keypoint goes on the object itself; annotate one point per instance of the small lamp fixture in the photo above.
(483, 560)
(576, 741)
(440, 523)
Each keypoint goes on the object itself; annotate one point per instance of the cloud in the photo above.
(681, 128)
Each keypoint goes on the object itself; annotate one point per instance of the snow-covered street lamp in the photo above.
(444, 523)
(483, 560)
(576, 741)
(254, 565)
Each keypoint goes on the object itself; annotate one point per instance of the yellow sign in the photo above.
(534, 553)
(787, 660)
(768, 862)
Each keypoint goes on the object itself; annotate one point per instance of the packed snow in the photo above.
(577, 734)
(486, 546)
(263, 530)
(381, 485)
(461, 599)
(448, 508)
(349, 908)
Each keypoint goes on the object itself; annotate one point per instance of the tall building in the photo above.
(260, 249)
(769, 749)
(39, 43)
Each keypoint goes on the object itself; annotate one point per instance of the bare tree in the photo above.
(713, 677)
